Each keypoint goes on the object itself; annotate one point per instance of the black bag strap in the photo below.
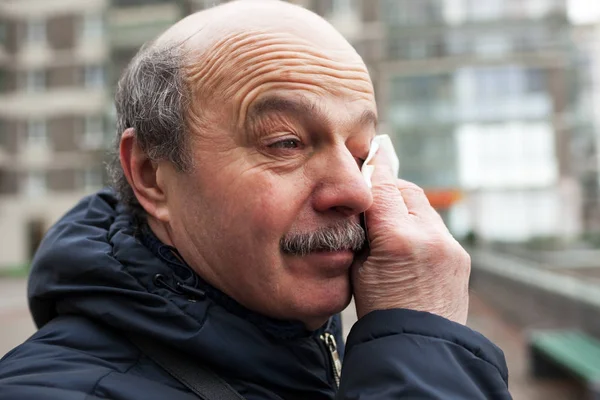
(204, 383)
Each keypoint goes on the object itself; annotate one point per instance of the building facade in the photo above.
(53, 97)
(491, 79)
(477, 96)
(585, 121)
(59, 63)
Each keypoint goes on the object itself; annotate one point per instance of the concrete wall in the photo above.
(531, 306)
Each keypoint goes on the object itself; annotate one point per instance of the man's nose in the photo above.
(341, 186)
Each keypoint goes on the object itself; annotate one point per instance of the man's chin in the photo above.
(319, 320)
(324, 302)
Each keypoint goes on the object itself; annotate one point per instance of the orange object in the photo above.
(443, 198)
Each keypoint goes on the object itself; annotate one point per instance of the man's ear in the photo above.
(141, 173)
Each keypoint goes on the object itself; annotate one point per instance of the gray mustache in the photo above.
(347, 235)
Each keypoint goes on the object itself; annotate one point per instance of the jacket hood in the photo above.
(92, 263)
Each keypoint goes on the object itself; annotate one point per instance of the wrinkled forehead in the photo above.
(237, 53)
(245, 66)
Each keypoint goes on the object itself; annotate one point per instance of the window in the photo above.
(36, 31)
(425, 89)
(36, 134)
(536, 38)
(498, 82)
(35, 81)
(93, 133)
(391, 11)
(411, 12)
(496, 155)
(516, 8)
(92, 179)
(509, 82)
(458, 43)
(422, 99)
(492, 44)
(504, 92)
(415, 47)
(539, 8)
(485, 10)
(428, 157)
(535, 80)
(35, 184)
(92, 26)
(343, 7)
(94, 76)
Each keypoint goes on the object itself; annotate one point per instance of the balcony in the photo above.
(484, 43)
(432, 14)
(71, 100)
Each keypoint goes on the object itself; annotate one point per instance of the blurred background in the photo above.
(493, 105)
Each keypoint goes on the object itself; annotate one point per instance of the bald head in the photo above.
(236, 51)
(203, 29)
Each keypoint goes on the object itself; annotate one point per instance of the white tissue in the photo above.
(385, 143)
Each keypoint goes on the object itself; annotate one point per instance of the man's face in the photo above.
(279, 128)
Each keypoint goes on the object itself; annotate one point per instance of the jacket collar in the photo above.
(186, 281)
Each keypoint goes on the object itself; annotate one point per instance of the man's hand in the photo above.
(414, 262)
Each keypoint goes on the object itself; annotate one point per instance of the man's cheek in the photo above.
(274, 208)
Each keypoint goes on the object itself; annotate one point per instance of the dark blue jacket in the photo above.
(95, 279)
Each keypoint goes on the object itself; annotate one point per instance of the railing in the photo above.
(536, 275)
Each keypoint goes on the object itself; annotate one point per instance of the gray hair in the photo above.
(152, 98)
(344, 235)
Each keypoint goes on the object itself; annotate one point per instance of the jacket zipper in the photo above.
(334, 357)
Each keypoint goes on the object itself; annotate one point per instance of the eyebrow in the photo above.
(368, 117)
(299, 106)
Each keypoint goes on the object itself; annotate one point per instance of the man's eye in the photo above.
(286, 144)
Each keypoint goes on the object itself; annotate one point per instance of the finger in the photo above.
(416, 200)
(388, 203)
(414, 196)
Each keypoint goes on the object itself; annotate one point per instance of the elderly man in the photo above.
(235, 238)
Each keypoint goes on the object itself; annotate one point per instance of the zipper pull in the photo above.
(336, 363)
